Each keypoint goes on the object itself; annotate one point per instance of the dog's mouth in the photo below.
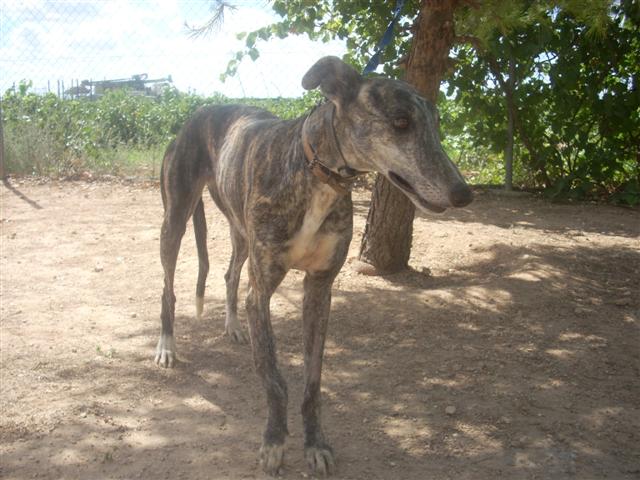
(408, 189)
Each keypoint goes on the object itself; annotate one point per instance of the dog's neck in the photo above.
(323, 152)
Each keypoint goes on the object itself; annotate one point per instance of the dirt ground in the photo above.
(511, 351)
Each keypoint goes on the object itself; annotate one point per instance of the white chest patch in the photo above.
(310, 250)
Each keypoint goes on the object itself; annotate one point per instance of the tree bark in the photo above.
(511, 115)
(508, 154)
(386, 243)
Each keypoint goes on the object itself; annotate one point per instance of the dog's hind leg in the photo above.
(200, 229)
(232, 278)
(170, 237)
(315, 317)
(180, 203)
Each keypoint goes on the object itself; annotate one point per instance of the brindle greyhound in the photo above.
(283, 186)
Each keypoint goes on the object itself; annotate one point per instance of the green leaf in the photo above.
(254, 54)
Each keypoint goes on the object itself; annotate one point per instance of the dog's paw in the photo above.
(271, 458)
(236, 334)
(199, 307)
(166, 351)
(320, 460)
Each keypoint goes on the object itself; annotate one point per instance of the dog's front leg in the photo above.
(315, 318)
(263, 280)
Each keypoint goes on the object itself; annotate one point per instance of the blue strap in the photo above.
(386, 39)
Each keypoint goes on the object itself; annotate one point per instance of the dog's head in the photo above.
(385, 126)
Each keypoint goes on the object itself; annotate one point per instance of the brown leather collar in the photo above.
(340, 183)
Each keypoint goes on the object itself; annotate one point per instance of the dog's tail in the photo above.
(200, 229)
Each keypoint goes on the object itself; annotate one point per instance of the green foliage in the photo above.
(118, 133)
(359, 23)
(576, 99)
(574, 83)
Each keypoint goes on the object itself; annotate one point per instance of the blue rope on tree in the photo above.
(386, 39)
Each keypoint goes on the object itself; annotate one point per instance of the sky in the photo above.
(47, 41)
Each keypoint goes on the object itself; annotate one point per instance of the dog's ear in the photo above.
(338, 81)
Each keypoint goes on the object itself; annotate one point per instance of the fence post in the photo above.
(1, 142)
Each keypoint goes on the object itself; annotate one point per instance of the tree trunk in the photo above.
(537, 161)
(508, 154)
(386, 243)
(511, 115)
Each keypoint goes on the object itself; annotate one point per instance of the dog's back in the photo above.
(193, 154)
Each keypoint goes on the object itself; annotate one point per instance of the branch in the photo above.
(467, 3)
(495, 70)
(472, 40)
(213, 24)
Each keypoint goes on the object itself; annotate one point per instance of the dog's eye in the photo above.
(401, 123)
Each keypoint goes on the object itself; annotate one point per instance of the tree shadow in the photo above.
(19, 194)
(540, 392)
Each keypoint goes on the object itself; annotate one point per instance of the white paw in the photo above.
(166, 351)
(271, 457)
(320, 460)
(199, 307)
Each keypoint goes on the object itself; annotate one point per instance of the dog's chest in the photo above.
(312, 247)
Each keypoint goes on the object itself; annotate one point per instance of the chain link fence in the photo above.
(82, 47)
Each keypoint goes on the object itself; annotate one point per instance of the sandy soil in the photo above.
(512, 350)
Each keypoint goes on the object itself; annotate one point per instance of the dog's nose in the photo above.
(460, 195)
